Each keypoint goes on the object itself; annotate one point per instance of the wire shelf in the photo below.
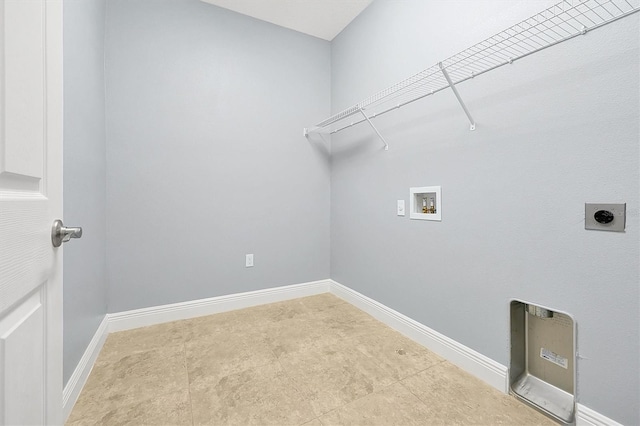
(561, 22)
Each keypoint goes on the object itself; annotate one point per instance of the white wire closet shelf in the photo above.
(561, 22)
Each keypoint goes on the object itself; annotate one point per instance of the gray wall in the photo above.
(205, 110)
(555, 130)
(85, 296)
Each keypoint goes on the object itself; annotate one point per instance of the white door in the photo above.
(30, 200)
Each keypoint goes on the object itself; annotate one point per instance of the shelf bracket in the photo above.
(386, 145)
(472, 123)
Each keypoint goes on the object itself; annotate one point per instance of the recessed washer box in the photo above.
(425, 203)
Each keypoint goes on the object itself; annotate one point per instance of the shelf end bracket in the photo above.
(472, 123)
(386, 145)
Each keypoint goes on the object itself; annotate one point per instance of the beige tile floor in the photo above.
(313, 361)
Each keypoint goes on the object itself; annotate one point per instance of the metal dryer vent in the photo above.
(539, 312)
(543, 355)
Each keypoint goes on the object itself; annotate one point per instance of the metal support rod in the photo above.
(386, 145)
(557, 24)
(472, 125)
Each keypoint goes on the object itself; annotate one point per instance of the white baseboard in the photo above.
(486, 369)
(81, 373)
(587, 417)
(178, 311)
(158, 314)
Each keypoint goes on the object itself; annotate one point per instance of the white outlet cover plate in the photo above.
(249, 261)
(619, 216)
(400, 207)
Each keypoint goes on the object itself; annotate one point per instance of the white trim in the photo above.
(585, 416)
(415, 210)
(486, 369)
(80, 375)
(196, 308)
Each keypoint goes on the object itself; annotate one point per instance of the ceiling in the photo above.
(320, 18)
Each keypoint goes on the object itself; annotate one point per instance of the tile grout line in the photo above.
(112, 363)
(344, 338)
(293, 382)
(415, 374)
(399, 381)
(186, 367)
(423, 370)
(314, 314)
(362, 397)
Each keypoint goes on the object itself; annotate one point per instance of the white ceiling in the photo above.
(320, 18)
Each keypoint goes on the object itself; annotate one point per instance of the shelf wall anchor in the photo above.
(472, 123)
(386, 145)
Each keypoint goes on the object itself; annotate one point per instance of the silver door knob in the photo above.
(61, 234)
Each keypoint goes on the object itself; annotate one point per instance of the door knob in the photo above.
(61, 234)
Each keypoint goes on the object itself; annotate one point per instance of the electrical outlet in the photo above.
(605, 217)
(249, 261)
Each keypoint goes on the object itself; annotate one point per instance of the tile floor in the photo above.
(311, 361)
